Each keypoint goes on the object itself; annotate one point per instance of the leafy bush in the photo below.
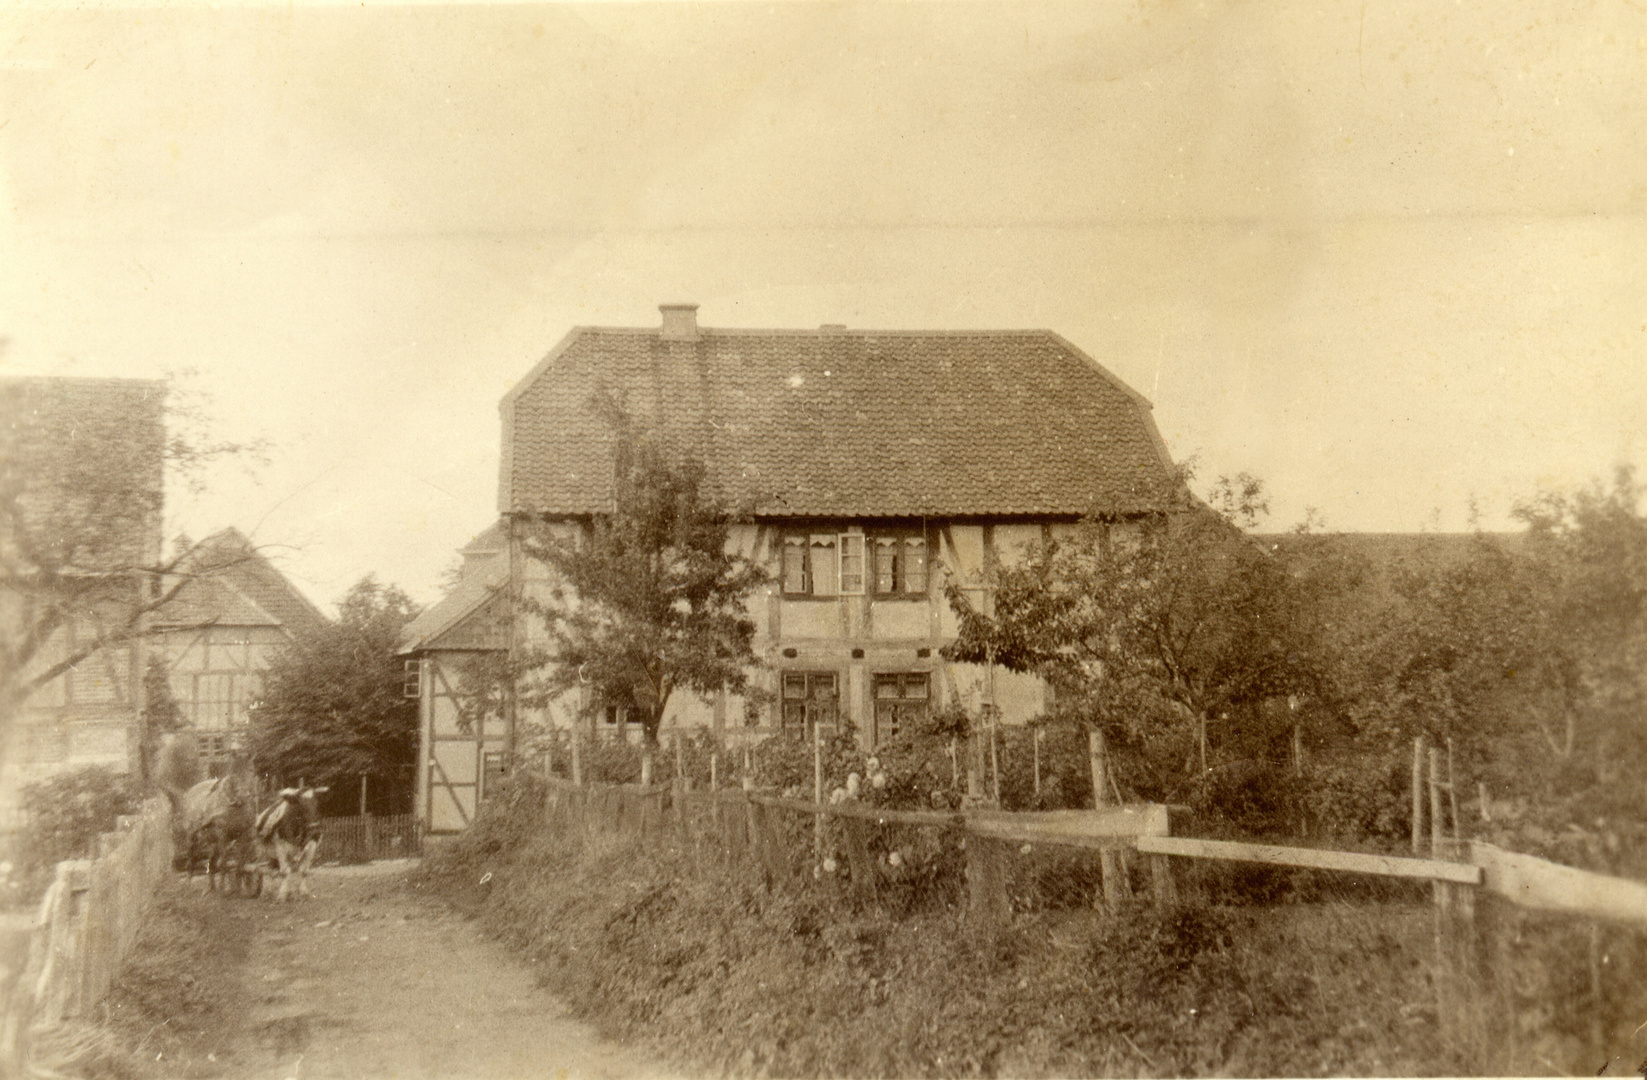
(66, 813)
(70, 810)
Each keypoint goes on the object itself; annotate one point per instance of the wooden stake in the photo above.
(817, 794)
(1036, 739)
(994, 752)
(1418, 794)
(1452, 788)
(1437, 844)
(363, 795)
(1109, 865)
(577, 757)
(714, 770)
(680, 756)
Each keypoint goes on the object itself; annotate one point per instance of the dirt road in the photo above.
(369, 978)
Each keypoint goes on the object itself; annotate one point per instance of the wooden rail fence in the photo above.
(778, 840)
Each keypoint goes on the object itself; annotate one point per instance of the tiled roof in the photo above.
(839, 423)
(494, 538)
(464, 618)
(236, 585)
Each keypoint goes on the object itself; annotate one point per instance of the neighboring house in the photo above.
(81, 489)
(232, 611)
(453, 651)
(881, 465)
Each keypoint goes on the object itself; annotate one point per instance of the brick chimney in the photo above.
(680, 322)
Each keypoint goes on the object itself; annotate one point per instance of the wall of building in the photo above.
(859, 643)
(459, 760)
(215, 673)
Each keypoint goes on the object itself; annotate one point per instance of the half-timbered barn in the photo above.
(454, 652)
(881, 465)
(232, 611)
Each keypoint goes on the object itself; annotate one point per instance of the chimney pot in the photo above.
(680, 322)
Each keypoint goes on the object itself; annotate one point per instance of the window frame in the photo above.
(904, 540)
(809, 720)
(840, 540)
(900, 679)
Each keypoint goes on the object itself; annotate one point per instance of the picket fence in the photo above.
(58, 961)
(365, 838)
(1477, 888)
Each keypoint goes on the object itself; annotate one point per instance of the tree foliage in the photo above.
(1170, 634)
(1529, 652)
(646, 599)
(333, 706)
(83, 471)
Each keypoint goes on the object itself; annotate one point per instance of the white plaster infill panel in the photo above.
(811, 619)
(900, 621)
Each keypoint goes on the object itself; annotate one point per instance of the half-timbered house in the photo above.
(232, 610)
(881, 466)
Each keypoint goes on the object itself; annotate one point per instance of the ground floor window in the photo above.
(901, 699)
(809, 698)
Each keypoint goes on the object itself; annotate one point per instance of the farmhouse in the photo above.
(881, 465)
(81, 466)
(232, 609)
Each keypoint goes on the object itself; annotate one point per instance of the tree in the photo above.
(83, 469)
(1168, 642)
(647, 599)
(333, 707)
(1529, 653)
(161, 714)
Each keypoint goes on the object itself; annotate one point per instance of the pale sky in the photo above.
(1386, 256)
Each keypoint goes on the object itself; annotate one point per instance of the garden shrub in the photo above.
(68, 812)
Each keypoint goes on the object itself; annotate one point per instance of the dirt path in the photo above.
(370, 978)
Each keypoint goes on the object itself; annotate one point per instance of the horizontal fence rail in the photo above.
(1483, 896)
(1311, 858)
(1539, 885)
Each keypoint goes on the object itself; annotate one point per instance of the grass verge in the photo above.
(721, 976)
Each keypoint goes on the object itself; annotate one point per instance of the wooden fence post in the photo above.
(682, 827)
(1036, 739)
(1163, 885)
(987, 904)
(1418, 794)
(1108, 862)
(857, 855)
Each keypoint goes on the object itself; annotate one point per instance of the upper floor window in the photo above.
(823, 564)
(900, 564)
(845, 564)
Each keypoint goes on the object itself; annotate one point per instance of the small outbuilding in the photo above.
(455, 654)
